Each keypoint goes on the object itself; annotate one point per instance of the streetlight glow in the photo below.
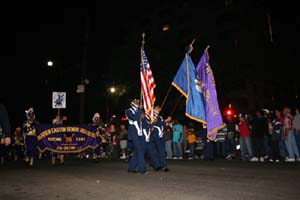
(50, 63)
(112, 90)
(166, 27)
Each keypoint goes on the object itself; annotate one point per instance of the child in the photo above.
(191, 139)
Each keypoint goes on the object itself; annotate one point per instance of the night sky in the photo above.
(240, 48)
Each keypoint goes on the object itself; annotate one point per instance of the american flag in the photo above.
(147, 84)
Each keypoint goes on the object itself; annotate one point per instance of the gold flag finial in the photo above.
(207, 47)
(190, 49)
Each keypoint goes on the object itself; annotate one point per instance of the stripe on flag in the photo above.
(147, 84)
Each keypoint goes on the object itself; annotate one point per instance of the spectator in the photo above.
(191, 140)
(259, 128)
(245, 140)
(289, 136)
(185, 132)
(123, 141)
(220, 142)
(267, 136)
(231, 139)
(168, 137)
(296, 126)
(282, 146)
(275, 137)
(177, 139)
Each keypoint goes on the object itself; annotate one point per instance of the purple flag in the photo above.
(207, 83)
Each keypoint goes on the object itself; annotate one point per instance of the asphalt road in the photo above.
(186, 180)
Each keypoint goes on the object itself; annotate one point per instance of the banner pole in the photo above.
(58, 116)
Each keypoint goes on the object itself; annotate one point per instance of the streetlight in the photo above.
(50, 63)
(166, 27)
(112, 90)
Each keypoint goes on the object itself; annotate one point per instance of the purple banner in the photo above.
(207, 83)
(66, 138)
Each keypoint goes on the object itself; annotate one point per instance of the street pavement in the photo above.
(186, 180)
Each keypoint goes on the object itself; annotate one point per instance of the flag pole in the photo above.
(143, 42)
(176, 105)
(206, 50)
(207, 47)
(164, 101)
(190, 49)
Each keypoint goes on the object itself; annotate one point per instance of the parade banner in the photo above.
(66, 138)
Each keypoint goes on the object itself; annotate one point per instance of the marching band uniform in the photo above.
(135, 136)
(157, 137)
(149, 148)
(98, 150)
(30, 137)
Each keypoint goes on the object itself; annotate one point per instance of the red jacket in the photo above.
(244, 130)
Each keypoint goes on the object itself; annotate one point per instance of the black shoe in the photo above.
(165, 169)
(130, 171)
(157, 169)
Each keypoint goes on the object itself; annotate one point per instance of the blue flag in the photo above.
(207, 83)
(186, 83)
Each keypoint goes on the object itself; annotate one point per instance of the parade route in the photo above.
(189, 180)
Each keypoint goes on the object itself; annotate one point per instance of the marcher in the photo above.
(4, 132)
(157, 137)
(30, 138)
(137, 161)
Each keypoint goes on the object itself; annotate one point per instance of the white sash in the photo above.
(147, 135)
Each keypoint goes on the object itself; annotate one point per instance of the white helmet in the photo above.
(96, 115)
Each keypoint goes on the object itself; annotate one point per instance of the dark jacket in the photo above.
(260, 127)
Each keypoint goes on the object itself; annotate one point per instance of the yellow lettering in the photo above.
(72, 129)
(54, 139)
(80, 139)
